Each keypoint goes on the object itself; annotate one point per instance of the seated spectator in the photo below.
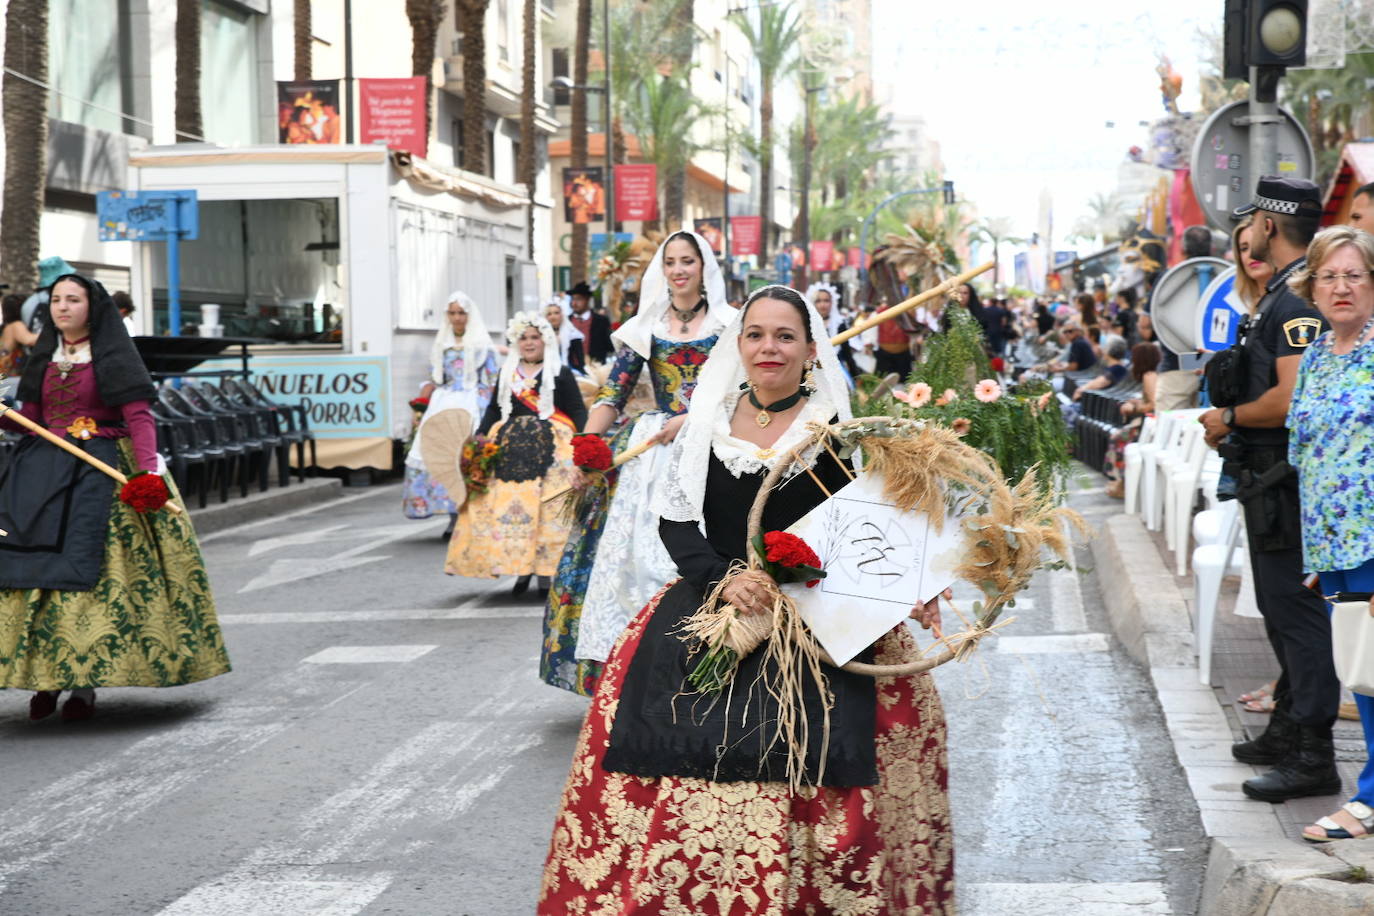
(1112, 366)
(1145, 370)
(1077, 356)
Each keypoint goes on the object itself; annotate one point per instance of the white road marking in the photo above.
(309, 536)
(1054, 644)
(283, 571)
(355, 655)
(1066, 601)
(76, 809)
(278, 519)
(1126, 899)
(461, 612)
(249, 894)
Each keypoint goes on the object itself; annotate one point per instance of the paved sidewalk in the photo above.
(1259, 865)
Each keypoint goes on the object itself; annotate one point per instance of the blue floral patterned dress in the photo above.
(673, 367)
(422, 496)
(1331, 443)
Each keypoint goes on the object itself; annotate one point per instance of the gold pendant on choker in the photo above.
(763, 418)
(64, 368)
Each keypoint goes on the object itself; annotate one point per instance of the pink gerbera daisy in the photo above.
(918, 395)
(961, 426)
(987, 391)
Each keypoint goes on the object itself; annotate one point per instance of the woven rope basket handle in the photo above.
(916, 666)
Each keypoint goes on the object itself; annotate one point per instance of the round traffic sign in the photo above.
(1219, 313)
(1221, 173)
(1176, 299)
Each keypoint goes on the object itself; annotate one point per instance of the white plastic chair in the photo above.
(1171, 446)
(1133, 459)
(1211, 564)
(1165, 435)
(1180, 496)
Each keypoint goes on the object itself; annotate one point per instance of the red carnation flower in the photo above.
(788, 550)
(145, 493)
(591, 453)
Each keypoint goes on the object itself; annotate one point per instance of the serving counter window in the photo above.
(271, 268)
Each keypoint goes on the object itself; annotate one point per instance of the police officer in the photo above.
(1297, 743)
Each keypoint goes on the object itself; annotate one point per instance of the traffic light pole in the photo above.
(1263, 121)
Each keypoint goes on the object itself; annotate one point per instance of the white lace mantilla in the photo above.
(742, 457)
(673, 501)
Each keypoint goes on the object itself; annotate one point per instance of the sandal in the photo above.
(1332, 831)
(1263, 691)
(1261, 705)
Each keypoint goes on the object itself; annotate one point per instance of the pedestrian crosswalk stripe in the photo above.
(1055, 644)
(351, 655)
(269, 895)
(462, 612)
(1137, 898)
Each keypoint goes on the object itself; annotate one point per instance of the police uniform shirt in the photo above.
(1284, 325)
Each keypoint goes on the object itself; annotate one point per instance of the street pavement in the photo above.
(384, 746)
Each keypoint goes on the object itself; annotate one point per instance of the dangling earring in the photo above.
(809, 379)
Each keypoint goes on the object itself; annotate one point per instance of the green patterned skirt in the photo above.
(148, 622)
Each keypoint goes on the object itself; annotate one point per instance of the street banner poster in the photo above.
(855, 257)
(393, 111)
(746, 235)
(584, 194)
(822, 254)
(344, 396)
(709, 229)
(794, 251)
(308, 112)
(636, 192)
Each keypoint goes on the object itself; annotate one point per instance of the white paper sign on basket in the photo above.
(879, 561)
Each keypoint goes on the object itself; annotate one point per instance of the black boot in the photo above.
(1273, 745)
(1309, 770)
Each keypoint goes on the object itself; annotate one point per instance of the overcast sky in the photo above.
(1018, 93)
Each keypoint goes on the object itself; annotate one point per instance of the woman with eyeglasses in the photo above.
(1331, 443)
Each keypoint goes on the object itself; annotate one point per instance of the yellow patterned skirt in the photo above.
(509, 530)
(680, 845)
(148, 622)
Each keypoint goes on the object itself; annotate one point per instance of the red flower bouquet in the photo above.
(419, 405)
(787, 558)
(145, 492)
(479, 458)
(591, 453)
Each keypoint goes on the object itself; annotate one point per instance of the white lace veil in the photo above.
(680, 494)
(637, 333)
(553, 364)
(476, 342)
(832, 322)
(567, 331)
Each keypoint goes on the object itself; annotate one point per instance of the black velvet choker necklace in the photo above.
(763, 418)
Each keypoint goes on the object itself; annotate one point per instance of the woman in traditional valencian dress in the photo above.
(462, 375)
(675, 803)
(614, 561)
(93, 593)
(510, 530)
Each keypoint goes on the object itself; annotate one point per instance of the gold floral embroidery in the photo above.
(690, 847)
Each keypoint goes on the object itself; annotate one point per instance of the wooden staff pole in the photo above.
(629, 454)
(906, 306)
(66, 446)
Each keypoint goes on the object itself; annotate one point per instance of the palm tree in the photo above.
(425, 17)
(525, 165)
(675, 189)
(189, 123)
(774, 42)
(995, 230)
(1106, 218)
(642, 42)
(663, 119)
(577, 245)
(26, 141)
(301, 40)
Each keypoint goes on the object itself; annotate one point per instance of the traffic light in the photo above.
(1263, 33)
